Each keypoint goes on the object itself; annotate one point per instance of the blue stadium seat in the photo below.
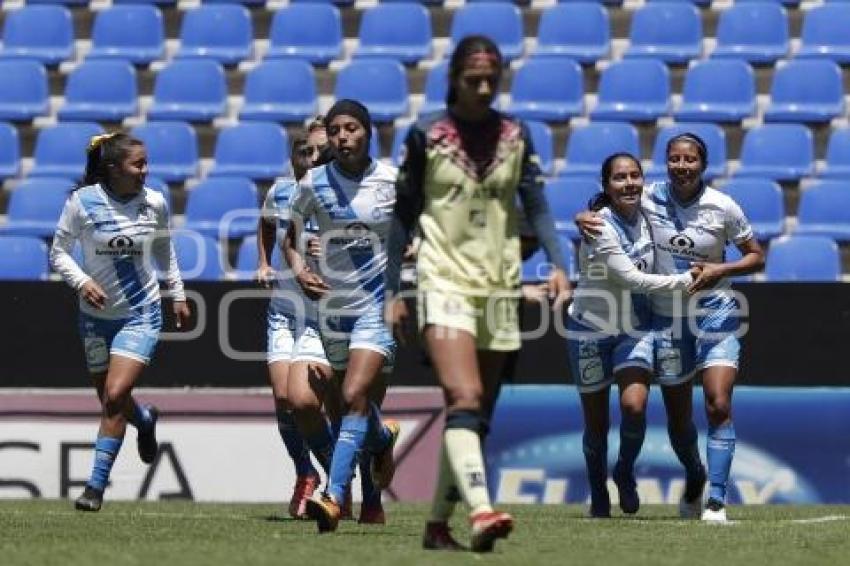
(668, 31)
(756, 32)
(541, 138)
(719, 90)
(172, 149)
(189, 89)
(782, 152)
(824, 34)
(762, 203)
(588, 146)
(247, 258)
(222, 32)
(100, 90)
(23, 90)
(35, 206)
(60, 150)
(10, 151)
(502, 22)
(579, 30)
(259, 150)
(44, 33)
(306, 31)
(549, 89)
(198, 256)
(159, 186)
(633, 89)
(568, 197)
(213, 198)
(715, 141)
(806, 91)
(803, 258)
(837, 163)
(156, 2)
(133, 33)
(824, 210)
(23, 258)
(537, 268)
(436, 87)
(380, 84)
(281, 90)
(396, 31)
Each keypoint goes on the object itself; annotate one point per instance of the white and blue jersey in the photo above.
(353, 217)
(610, 318)
(292, 331)
(689, 340)
(123, 244)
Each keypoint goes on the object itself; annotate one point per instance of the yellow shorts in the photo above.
(492, 319)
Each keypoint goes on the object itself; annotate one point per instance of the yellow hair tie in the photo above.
(96, 141)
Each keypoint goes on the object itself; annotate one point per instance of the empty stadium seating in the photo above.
(60, 150)
(396, 31)
(223, 206)
(567, 197)
(806, 91)
(500, 21)
(803, 258)
(222, 32)
(718, 90)
(547, 89)
(189, 89)
(825, 210)
(761, 201)
(172, 149)
(134, 33)
(756, 32)
(380, 84)
(579, 30)
(282, 90)
(22, 258)
(44, 33)
(100, 90)
(35, 206)
(10, 151)
(588, 146)
(23, 90)
(308, 31)
(667, 31)
(633, 89)
(258, 150)
(783, 152)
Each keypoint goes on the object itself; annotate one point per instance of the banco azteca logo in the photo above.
(121, 243)
(682, 241)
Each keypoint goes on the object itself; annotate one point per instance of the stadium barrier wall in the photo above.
(798, 335)
(223, 446)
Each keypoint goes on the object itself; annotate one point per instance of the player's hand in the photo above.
(314, 247)
(559, 288)
(708, 277)
(409, 253)
(589, 224)
(313, 285)
(537, 293)
(93, 294)
(265, 276)
(398, 319)
(181, 314)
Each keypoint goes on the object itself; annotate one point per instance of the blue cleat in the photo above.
(146, 439)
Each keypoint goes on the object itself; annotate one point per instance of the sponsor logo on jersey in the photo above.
(120, 245)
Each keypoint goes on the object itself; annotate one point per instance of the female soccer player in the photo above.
(459, 180)
(697, 337)
(296, 359)
(608, 331)
(121, 226)
(350, 200)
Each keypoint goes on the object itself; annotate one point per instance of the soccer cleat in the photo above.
(627, 488)
(325, 511)
(346, 512)
(90, 500)
(438, 536)
(690, 505)
(383, 465)
(488, 526)
(304, 488)
(715, 512)
(600, 502)
(372, 515)
(146, 439)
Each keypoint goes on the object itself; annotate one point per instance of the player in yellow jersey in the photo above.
(462, 170)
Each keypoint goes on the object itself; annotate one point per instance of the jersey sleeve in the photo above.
(304, 203)
(738, 228)
(67, 233)
(607, 250)
(534, 203)
(409, 200)
(164, 254)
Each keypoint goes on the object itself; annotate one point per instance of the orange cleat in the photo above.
(325, 511)
(488, 526)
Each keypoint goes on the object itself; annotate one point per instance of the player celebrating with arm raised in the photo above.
(459, 180)
(121, 225)
(608, 332)
(351, 201)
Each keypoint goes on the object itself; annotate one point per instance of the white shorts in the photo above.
(286, 343)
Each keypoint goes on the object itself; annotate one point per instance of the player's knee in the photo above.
(633, 408)
(466, 396)
(355, 399)
(718, 409)
(114, 401)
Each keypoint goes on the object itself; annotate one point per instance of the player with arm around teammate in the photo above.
(121, 226)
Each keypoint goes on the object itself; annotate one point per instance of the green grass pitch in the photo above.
(158, 533)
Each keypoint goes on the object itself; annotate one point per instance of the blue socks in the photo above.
(141, 418)
(378, 435)
(721, 448)
(105, 451)
(295, 445)
(352, 437)
(686, 449)
(632, 433)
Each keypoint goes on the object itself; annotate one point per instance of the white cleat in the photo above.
(715, 512)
